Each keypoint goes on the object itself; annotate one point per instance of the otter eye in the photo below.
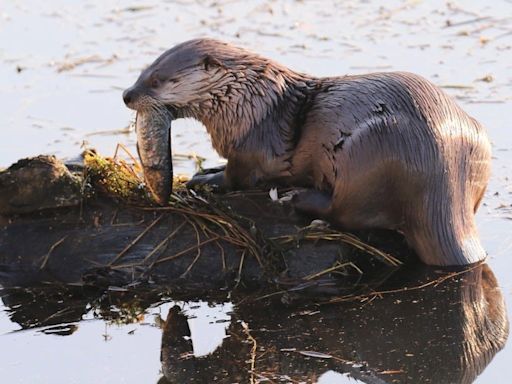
(154, 83)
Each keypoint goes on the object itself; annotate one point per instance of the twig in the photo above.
(450, 24)
(114, 216)
(207, 231)
(456, 86)
(223, 222)
(135, 241)
(96, 263)
(505, 34)
(240, 267)
(135, 161)
(332, 269)
(269, 295)
(60, 312)
(185, 251)
(133, 223)
(356, 242)
(404, 289)
(192, 263)
(52, 248)
(222, 256)
(254, 347)
(486, 101)
(345, 238)
(164, 242)
(198, 237)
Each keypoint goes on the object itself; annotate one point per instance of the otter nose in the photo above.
(128, 96)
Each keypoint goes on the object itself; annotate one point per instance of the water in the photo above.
(63, 66)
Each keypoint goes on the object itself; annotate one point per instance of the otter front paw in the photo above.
(213, 178)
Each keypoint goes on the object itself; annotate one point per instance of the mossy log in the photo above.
(74, 228)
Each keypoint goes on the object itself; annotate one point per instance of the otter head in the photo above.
(181, 79)
(208, 80)
(229, 89)
(176, 84)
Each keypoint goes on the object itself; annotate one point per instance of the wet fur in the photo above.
(390, 150)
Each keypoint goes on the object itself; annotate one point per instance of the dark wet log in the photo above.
(104, 244)
(37, 183)
(226, 241)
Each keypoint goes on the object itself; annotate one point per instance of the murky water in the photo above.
(63, 66)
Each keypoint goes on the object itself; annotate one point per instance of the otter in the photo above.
(380, 150)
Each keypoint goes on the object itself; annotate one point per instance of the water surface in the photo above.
(63, 66)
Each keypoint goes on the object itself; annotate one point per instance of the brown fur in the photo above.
(386, 150)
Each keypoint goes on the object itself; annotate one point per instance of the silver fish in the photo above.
(153, 128)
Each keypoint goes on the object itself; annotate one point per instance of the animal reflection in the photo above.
(445, 332)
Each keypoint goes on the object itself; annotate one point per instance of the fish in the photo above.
(153, 129)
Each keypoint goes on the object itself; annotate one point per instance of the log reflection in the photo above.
(445, 332)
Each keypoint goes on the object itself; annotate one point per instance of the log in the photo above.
(201, 241)
(368, 319)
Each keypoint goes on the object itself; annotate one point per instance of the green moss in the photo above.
(115, 178)
(123, 181)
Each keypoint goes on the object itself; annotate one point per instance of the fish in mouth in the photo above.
(153, 129)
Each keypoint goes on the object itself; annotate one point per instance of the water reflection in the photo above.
(446, 332)
(444, 328)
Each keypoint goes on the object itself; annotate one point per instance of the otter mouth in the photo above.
(153, 129)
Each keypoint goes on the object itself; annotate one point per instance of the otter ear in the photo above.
(210, 62)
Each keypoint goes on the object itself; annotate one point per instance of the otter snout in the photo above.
(129, 96)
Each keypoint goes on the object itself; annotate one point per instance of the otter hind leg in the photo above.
(445, 238)
(312, 202)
